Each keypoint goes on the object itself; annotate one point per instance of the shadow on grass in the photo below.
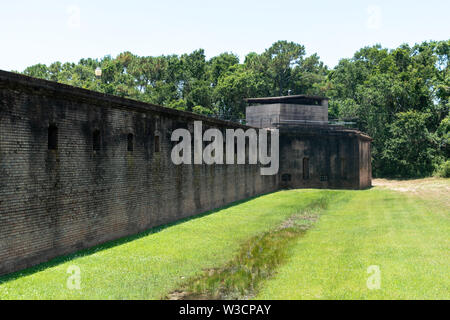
(113, 243)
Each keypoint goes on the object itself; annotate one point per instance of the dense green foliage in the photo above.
(401, 98)
(393, 95)
(444, 170)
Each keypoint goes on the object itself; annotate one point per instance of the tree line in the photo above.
(398, 96)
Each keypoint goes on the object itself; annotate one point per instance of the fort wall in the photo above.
(108, 175)
(323, 157)
(79, 168)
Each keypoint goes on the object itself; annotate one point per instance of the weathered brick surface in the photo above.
(54, 202)
(338, 158)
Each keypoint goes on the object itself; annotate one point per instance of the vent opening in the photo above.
(52, 137)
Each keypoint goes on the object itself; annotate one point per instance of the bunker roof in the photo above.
(294, 99)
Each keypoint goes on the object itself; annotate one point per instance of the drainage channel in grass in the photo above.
(257, 260)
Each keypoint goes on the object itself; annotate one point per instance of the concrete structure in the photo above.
(313, 154)
(79, 168)
(285, 110)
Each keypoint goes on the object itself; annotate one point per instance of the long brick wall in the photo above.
(92, 188)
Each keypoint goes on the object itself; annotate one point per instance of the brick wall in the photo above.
(54, 202)
(365, 164)
(324, 157)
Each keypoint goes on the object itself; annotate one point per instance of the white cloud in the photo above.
(375, 18)
(74, 17)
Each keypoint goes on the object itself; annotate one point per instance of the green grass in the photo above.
(406, 236)
(257, 260)
(156, 263)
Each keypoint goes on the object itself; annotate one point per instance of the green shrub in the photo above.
(409, 151)
(443, 170)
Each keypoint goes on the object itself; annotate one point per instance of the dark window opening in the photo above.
(130, 142)
(157, 146)
(52, 137)
(323, 178)
(96, 140)
(343, 168)
(305, 168)
(247, 149)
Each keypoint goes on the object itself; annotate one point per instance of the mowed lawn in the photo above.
(156, 263)
(405, 236)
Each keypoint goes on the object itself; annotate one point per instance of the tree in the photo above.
(409, 151)
(378, 84)
(280, 59)
(219, 65)
(234, 87)
(37, 71)
(379, 89)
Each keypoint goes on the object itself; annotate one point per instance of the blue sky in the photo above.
(46, 31)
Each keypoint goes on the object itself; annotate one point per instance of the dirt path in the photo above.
(430, 188)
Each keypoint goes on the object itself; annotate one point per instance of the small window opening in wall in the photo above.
(305, 168)
(343, 166)
(96, 140)
(130, 142)
(52, 137)
(323, 177)
(157, 145)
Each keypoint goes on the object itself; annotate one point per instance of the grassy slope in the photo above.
(152, 265)
(405, 236)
